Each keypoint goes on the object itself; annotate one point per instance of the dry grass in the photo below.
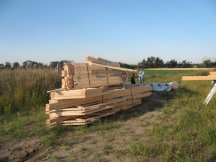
(22, 89)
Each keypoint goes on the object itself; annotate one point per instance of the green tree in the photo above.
(207, 63)
(16, 65)
(172, 63)
(1, 66)
(7, 65)
(159, 63)
(185, 64)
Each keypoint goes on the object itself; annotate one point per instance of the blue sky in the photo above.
(120, 30)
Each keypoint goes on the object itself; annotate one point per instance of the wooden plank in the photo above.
(98, 80)
(70, 112)
(140, 89)
(109, 94)
(113, 67)
(84, 120)
(82, 110)
(81, 76)
(96, 70)
(95, 117)
(213, 73)
(107, 62)
(90, 119)
(199, 77)
(105, 96)
(69, 69)
(102, 61)
(60, 118)
(76, 93)
(114, 77)
(60, 104)
(99, 76)
(67, 73)
(147, 94)
(64, 73)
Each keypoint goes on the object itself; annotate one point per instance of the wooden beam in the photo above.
(113, 67)
(76, 93)
(199, 77)
(102, 61)
(213, 73)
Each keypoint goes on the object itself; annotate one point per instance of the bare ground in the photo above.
(98, 142)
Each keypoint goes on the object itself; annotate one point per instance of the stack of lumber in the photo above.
(211, 76)
(96, 72)
(84, 106)
(92, 90)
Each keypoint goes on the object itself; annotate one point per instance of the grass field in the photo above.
(171, 126)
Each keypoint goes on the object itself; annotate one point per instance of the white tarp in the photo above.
(162, 87)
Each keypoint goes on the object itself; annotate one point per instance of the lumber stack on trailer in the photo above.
(84, 106)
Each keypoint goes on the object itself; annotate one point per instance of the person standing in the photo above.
(133, 77)
(141, 76)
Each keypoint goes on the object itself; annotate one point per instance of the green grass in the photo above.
(169, 76)
(29, 124)
(186, 129)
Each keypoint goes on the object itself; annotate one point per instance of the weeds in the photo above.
(139, 149)
(51, 136)
(103, 126)
(22, 89)
(14, 126)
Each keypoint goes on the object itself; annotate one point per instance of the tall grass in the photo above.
(23, 89)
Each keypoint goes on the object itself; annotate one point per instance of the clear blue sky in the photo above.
(120, 30)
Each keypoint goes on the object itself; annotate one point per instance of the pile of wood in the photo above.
(95, 73)
(84, 106)
(92, 90)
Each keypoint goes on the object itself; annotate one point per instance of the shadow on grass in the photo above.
(152, 103)
(186, 91)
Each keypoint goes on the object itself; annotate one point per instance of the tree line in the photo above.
(32, 64)
(150, 62)
(156, 62)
